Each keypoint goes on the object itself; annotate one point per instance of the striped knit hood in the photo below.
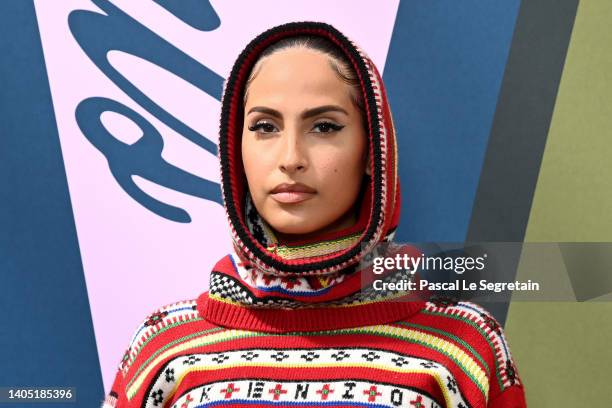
(262, 274)
(380, 208)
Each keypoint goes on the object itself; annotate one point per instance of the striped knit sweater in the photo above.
(441, 355)
(299, 323)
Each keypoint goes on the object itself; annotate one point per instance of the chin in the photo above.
(294, 228)
(293, 225)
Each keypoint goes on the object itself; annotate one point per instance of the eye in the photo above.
(263, 127)
(327, 127)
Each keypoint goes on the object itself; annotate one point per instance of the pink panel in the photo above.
(135, 260)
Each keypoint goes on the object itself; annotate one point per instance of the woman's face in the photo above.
(304, 147)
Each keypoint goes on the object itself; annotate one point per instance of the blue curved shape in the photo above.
(198, 14)
(143, 158)
(41, 270)
(97, 34)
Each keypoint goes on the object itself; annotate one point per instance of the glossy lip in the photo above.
(292, 193)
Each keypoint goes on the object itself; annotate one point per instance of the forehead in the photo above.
(297, 75)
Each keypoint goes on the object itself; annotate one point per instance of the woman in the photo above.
(309, 177)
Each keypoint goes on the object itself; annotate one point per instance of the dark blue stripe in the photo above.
(46, 335)
(443, 75)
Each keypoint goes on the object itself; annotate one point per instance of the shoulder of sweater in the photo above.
(158, 321)
(465, 311)
(455, 316)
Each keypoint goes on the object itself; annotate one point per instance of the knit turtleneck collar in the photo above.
(243, 297)
(320, 283)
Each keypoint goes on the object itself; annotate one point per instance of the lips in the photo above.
(292, 193)
(293, 188)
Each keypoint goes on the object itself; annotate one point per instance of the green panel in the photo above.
(573, 197)
(564, 350)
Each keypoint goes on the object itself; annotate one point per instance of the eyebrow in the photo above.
(305, 115)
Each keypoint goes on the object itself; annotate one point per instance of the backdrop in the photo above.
(110, 191)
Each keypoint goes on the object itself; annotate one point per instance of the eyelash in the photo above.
(332, 127)
(260, 125)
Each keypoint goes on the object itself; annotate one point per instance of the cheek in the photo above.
(254, 169)
(341, 171)
(259, 155)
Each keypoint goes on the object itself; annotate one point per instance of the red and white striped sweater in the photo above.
(299, 324)
(435, 355)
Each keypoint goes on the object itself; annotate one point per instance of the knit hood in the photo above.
(380, 208)
(263, 273)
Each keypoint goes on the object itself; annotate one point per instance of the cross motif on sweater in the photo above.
(188, 400)
(229, 390)
(325, 391)
(277, 391)
(372, 393)
(418, 403)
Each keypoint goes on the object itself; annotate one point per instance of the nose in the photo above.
(292, 157)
